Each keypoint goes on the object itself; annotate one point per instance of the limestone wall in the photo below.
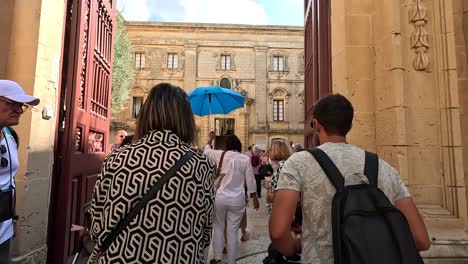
(461, 39)
(33, 51)
(353, 61)
(251, 48)
(6, 16)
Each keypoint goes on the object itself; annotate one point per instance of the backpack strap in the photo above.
(371, 168)
(12, 133)
(330, 169)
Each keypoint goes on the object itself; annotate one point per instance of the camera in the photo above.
(6, 201)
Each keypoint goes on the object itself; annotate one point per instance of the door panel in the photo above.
(84, 119)
(317, 61)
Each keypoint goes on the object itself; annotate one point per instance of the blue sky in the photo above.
(257, 12)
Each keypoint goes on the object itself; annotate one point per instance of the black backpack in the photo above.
(367, 228)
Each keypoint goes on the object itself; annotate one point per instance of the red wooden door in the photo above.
(84, 117)
(317, 60)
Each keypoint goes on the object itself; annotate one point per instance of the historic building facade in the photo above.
(403, 64)
(264, 63)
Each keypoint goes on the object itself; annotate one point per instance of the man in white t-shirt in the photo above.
(302, 178)
(13, 103)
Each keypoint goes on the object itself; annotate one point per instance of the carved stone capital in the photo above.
(420, 37)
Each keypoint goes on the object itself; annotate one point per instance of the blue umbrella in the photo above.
(214, 100)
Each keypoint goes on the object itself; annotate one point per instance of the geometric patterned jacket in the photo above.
(174, 227)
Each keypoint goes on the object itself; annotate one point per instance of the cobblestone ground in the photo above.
(253, 251)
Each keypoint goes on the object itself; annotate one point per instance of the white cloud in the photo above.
(296, 2)
(134, 9)
(195, 11)
(225, 11)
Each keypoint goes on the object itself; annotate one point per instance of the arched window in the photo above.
(279, 101)
(225, 83)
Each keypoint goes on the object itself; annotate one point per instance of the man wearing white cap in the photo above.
(13, 103)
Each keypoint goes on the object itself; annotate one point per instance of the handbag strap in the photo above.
(143, 202)
(220, 165)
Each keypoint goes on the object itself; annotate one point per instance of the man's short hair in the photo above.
(335, 113)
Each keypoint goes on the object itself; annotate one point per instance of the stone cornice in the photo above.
(266, 29)
(284, 131)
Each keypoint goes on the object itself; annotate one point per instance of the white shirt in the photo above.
(6, 227)
(237, 169)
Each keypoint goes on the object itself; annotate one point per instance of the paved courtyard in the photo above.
(253, 251)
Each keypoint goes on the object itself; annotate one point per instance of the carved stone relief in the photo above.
(279, 93)
(78, 139)
(419, 37)
(84, 55)
(300, 96)
(95, 141)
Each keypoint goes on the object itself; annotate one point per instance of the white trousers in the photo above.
(232, 216)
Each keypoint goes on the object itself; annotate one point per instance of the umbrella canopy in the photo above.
(214, 100)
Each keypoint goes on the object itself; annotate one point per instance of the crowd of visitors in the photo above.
(161, 199)
(209, 194)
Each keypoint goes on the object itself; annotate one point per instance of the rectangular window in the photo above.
(172, 61)
(139, 60)
(225, 62)
(278, 110)
(278, 63)
(137, 103)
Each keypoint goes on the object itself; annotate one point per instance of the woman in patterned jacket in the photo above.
(175, 226)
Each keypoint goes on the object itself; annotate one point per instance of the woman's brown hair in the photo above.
(279, 151)
(167, 108)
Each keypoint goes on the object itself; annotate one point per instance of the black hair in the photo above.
(233, 143)
(335, 113)
(127, 140)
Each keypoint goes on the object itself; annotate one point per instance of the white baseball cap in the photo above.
(12, 90)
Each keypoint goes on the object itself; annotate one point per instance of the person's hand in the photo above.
(297, 244)
(256, 204)
(15, 228)
(75, 228)
(211, 135)
(296, 228)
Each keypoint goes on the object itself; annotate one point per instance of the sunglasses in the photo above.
(312, 123)
(15, 105)
(3, 161)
